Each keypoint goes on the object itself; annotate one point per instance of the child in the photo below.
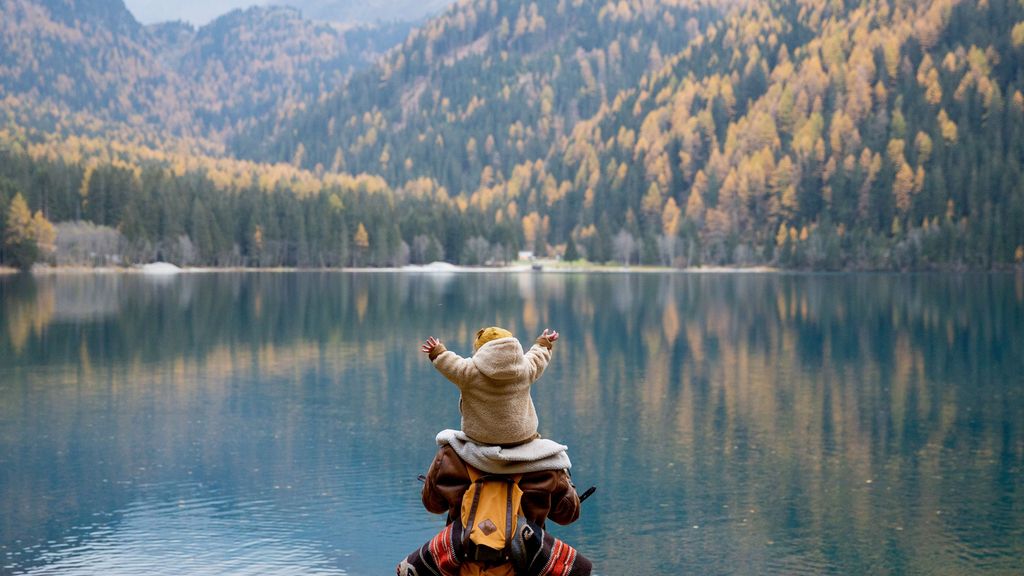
(495, 383)
(498, 437)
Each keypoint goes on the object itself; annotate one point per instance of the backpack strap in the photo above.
(508, 514)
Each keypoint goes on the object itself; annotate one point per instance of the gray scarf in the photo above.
(532, 456)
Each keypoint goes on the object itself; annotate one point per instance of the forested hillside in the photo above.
(259, 63)
(61, 57)
(808, 133)
(90, 67)
(487, 87)
(865, 134)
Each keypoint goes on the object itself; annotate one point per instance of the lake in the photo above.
(275, 423)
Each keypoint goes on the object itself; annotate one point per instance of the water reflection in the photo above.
(174, 536)
(785, 424)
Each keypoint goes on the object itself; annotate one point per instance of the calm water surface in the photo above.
(734, 424)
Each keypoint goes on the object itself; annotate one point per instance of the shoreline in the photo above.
(547, 268)
(445, 268)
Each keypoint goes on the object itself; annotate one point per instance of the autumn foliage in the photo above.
(799, 133)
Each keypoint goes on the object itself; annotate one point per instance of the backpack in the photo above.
(490, 515)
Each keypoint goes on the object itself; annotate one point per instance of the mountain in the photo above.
(74, 63)
(813, 134)
(61, 56)
(264, 62)
(487, 86)
(851, 133)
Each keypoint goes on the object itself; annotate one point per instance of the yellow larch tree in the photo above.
(44, 234)
(671, 218)
(923, 144)
(947, 127)
(902, 187)
(695, 203)
(361, 237)
(19, 221)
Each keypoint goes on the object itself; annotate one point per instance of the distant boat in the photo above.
(537, 266)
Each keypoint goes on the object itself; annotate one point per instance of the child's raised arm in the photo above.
(540, 353)
(448, 363)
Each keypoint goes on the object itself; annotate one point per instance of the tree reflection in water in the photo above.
(782, 423)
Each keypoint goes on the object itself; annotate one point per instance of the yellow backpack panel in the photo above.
(490, 509)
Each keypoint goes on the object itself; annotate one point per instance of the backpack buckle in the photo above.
(483, 554)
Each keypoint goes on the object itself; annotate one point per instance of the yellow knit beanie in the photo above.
(485, 335)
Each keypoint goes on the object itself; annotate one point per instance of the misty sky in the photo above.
(200, 12)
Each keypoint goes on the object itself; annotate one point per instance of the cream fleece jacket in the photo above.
(495, 384)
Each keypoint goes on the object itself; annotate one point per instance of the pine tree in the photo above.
(571, 254)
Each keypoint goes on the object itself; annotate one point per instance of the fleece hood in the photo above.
(500, 359)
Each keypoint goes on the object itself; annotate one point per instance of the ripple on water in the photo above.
(209, 535)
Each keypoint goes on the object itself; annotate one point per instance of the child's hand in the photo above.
(549, 335)
(429, 345)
